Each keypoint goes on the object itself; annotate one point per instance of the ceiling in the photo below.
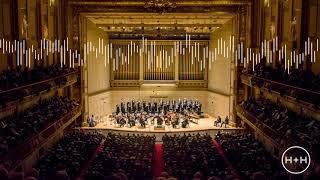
(158, 19)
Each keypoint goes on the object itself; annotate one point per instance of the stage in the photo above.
(202, 124)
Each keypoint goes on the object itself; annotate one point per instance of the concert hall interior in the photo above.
(159, 89)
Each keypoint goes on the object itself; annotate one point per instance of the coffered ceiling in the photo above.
(132, 18)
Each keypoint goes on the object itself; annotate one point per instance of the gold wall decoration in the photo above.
(160, 6)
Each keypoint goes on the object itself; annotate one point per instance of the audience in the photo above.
(249, 157)
(290, 127)
(67, 157)
(131, 155)
(192, 157)
(17, 128)
(296, 77)
(14, 78)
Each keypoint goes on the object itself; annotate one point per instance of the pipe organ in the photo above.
(193, 61)
(158, 60)
(125, 61)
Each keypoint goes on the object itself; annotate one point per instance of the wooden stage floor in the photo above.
(202, 125)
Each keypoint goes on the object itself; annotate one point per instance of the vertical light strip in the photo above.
(305, 47)
(79, 63)
(68, 44)
(227, 52)
(311, 52)
(219, 45)
(99, 46)
(308, 45)
(29, 57)
(64, 52)
(224, 48)
(276, 43)
(47, 44)
(241, 52)
(70, 60)
(41, 43)
(285, 52)
(108, 53)
(85, 52)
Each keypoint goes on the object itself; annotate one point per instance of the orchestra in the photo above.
(158, 113)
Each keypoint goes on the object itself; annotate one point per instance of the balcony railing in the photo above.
(26, 93)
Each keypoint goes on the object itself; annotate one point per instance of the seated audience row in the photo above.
(296, 77)
(187, 155)
(17, 128)
(289, 125)
(66, 159)
(13, 78)
(130, 155)
(249, 156)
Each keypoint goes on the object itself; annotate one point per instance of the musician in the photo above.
(117, 109)
(122, 107)
(217, 121)
(129, 108)
(185, 122)
(182, 108)
(134, 107)
(132, 120)
(225, 122)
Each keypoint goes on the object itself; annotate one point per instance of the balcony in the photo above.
(295, 98)
(17, 155)
(22, 97)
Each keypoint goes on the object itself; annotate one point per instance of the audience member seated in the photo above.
(187, 155)
(19, 127)
(131, 155)
(67, 157)
(249, 156)
(290, 126)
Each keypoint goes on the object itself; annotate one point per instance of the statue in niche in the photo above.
(24, 28)
(293, 32)
(45, 32)
(272, 29)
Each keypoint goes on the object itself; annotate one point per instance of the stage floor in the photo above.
(202, 125)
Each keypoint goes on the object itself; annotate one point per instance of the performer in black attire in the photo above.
(159, 109)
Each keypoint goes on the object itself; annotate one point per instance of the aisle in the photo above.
(158, 164)
(86, 165)
(224, 157)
